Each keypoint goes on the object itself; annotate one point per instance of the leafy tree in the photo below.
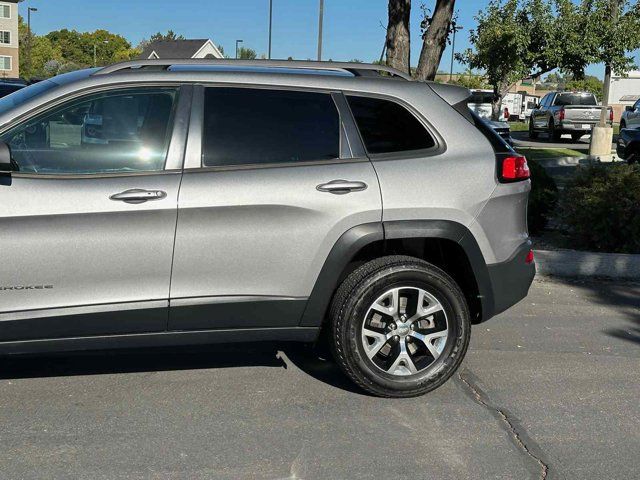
(589, 84)
(471, 80)
(398, 41)
(514, 40)
(245, 53)
(519, 39)
(169, 36)
(436, 30)
(34, 58)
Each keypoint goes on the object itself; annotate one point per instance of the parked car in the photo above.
(502, 129)
(236, 201)
(480, 103)
(575, 113)
(628, 146)
(8, 87)
(631, 116)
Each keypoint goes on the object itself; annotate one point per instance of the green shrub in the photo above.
(601, 208)
(542, 199)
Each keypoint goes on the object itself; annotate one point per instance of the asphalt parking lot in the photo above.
(549, 390)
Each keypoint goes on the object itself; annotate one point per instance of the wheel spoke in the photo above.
(403, 364)
(427, 340)
(379, 341)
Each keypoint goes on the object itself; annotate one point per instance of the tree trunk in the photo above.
(435, 40)
(398, 38)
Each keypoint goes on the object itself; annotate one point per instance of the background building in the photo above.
(197, 48)
(624, 91)
(9, 60)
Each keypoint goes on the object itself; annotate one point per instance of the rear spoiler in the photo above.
(452, 94)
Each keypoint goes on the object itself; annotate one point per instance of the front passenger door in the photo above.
(87, 222)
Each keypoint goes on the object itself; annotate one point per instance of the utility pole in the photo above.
(320, 20)
(29, 10)
(455, 28)
(270, 26)
(615, 14)
(602, 135)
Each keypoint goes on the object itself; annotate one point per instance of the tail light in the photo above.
(506, 114)
(530, 258)
(611, 115)
(513, 168)
(561, 114)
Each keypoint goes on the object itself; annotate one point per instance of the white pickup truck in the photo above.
(575, 113)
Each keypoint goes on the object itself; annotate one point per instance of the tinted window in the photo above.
(563, 99)
(388, 127)
(481, 97)
(115, 131)
(253, 126)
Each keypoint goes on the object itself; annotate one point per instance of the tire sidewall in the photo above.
(436, 284)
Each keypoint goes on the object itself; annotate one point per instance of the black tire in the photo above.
(533, 135)
(576, 136)
(554, 134)
(349, 308)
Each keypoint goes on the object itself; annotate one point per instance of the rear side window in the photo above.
(257, 126)
(387, 127)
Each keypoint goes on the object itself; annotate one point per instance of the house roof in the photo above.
(174, 48)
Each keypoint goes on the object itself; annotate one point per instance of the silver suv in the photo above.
(153, 203)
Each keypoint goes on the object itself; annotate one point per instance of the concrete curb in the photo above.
(571, 263)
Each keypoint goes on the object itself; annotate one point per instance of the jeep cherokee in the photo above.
(184, 202)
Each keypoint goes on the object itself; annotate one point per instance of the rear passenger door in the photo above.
(271, 182)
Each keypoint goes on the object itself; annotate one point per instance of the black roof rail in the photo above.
(357, 69)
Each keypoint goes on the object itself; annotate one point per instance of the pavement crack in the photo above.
(516, 432)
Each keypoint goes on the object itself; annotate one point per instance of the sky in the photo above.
(352, 28)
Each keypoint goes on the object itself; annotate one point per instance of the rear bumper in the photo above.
(510, 280)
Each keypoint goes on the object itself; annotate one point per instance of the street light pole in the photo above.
(95, 52)
(238, 42)
(270, 25)
(456, 29)
(29, 10)
(320, 21)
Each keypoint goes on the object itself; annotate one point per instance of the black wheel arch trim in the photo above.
(352, 241)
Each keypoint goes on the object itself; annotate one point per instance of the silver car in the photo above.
(149, 203)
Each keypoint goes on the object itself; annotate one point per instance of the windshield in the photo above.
(481, 97)
(575, 99)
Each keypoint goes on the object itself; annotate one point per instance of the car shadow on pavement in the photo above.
(308, 359)
(623, 296)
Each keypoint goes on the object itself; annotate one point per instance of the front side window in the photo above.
(110, 132)
(245, 126)
(387, 127)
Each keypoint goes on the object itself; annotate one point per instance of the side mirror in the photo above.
(6, 164)
(629, 108)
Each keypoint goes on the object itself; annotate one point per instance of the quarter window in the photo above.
(258, 126)
(110, 132)
(387, 127)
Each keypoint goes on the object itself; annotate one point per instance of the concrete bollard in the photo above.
(601, 140)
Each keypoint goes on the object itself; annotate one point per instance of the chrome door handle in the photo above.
(138, 195)
(340, 187)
